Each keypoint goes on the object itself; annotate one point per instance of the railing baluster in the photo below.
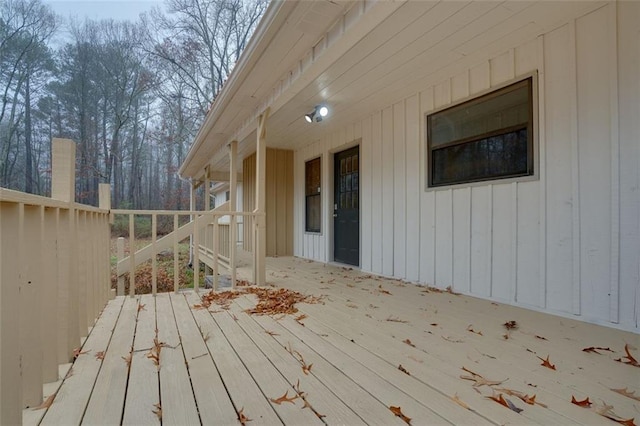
(214, 244)
(154, 257)
(176, 270)
(233, 237)
(49, 324)
(132, 255)
(196, 254)
(120, 251)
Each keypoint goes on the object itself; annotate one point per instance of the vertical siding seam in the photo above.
(614, 268)
(489, 271)
(514, 242)
(542, 187)
(453, 240)
(470, 240)
(575, 170)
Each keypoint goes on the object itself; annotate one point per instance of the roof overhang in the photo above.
(358, 57)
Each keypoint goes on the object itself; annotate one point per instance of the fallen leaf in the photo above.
(540, 337)
(242, 418)
(452, 340)
(404, 370)
(471, 330)
(158, 411)
(546, 363)
(271, 333)
(307, 368)
(434, 324)
(408, 342)
(77, 352)
(47, 402)
(127, 359)
(383, 291)
(100, 355)
(628, 394)
(479, 380)
(531, 400)
(511, 325)
(607, 411)
(458, 401)
(398, 412)
(505, 402)
(141, 307)
(628, 359)
(396, 319)
(584, 403)
(595, 349)
(284, 398)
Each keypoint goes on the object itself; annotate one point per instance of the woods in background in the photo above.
(132, 95)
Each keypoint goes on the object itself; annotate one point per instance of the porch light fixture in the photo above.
(318, 113)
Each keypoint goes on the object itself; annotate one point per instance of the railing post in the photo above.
(154, 257)
(196, 254)
(132, 255)
(120, 248)
(104, 197)
(176, 266)
(10, 381)
(233, 207)
(49, 323)
(214, 247)
(63, 178)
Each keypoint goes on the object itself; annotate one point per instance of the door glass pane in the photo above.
(348, 177)
(354, 199)
(354, 163)
(343, 200)
(354, 184)
(348, 205)
(343, 167)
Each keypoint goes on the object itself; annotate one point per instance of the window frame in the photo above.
(318, 195)
(532, 136)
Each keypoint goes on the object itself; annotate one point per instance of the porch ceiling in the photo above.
(386, 53)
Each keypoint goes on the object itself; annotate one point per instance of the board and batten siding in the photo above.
(566, 242)
(279, 200)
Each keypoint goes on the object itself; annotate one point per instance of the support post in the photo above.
(120, 248)
(176, 270)
(104, 193)
(192, 207)
(132, 255)
(260, 223)
(233, 207)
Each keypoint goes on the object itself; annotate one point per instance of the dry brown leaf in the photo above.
(306, 368)
(284, 398)
(595, 349)
(479, 380)
(404, 370)
(606, 410)
(47, 402)
(77, 352)
(471, 330)
(100, 355)
(383, 291)
(128, 358)
(546, 363)
(531, 400)
(452, 339)
(540, 337)
(141, 307)
(271, 333)
(398, 412)
(584, 403)
(511, 325)
(396, 319)
(158, 411)
(408, 342)
(242, 417)
(450, 291)
(503, 401)
(627, 393)
(458, 401)
(628, 359)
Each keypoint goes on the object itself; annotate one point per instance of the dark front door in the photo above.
(346, 207)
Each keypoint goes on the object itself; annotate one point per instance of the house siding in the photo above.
(566, 242)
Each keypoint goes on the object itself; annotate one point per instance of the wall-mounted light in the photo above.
(318, 113)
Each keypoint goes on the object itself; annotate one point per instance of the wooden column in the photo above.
(104, 193)
(260, 233)
(233, 207)
(192, 207)
(207, 233)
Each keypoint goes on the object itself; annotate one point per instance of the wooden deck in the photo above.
(216, 363)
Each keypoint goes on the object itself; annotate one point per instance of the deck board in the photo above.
(215, 362)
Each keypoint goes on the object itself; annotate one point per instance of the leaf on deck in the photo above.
(141, 307)
(408, 342)
(503, 401)
(479, 380)
(383, 291)
(541, 338)
(242, 417)
(284, 398)
(47, 402)
(595, 349)
(531, 400)
(471, 330)
(127, 359)
(100, 355)
(628, 359)
(627, 393)
(607, 411)
(396, 319)
(306, 368)
(158, 411)
(398, 412)
(511, 325)
(584, 403)
(546, 363)
(77, 352)
(271, 333)
(404, 370)
(458, 401)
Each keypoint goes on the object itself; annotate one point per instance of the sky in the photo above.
(102, 9)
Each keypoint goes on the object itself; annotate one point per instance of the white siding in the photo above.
(566, 242)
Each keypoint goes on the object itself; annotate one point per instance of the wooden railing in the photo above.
(54, 281)
(216, 243)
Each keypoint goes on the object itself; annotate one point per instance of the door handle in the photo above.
(335, 215)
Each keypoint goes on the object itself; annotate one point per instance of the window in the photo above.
(487, 138)
(312, 195)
